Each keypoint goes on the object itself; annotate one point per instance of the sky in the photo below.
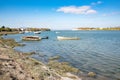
(59, 14)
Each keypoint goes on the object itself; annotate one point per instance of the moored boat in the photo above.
(22, 32)
(67, 38)
(57, 32)
(45, 37)
(38, 32)
(31, 38)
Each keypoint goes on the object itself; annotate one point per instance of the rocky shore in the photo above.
(20, 66)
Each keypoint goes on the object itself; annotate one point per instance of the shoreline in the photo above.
(14, 32)
(19, 66)
(36, 70)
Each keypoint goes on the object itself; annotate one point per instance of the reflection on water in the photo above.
(97, 51)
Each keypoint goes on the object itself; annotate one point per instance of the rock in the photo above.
(91, 74)
(72, 76)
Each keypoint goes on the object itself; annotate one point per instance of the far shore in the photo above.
(6, 32)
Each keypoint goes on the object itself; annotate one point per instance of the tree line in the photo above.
(107, 28)
(3, 28)
(7, 29)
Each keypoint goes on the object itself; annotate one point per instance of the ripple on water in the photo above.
(97, 51)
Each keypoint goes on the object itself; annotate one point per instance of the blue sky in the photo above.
(60, 14)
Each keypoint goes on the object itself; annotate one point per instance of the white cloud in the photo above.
(91, 12)
(77, 10)
(96, 3)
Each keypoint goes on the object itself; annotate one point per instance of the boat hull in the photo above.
(67, 38)
(31, 38)
(39, 32)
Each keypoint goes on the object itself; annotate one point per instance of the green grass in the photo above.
(9, 42)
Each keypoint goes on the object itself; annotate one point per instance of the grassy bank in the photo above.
(8, 42)
(5, 32)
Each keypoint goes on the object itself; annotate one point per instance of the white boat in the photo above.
(57, 32)
(67, 38)
(38, 32)
(27, 31)
(22, 32)
(31, 38)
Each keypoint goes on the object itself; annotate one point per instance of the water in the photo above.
(97, 51)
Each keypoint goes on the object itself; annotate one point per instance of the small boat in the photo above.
(38, 32)
(67, 38)
(22, 32)
(57, 32)
(45, 37)
(27, 31)
(31, 38)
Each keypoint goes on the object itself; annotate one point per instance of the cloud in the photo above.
(96, 3)
(77, 10)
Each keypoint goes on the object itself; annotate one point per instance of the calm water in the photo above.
(97, 51)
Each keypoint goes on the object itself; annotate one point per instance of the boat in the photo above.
(31, 38)
(67, 38)
(57, 32)
(38, 32)
(27, 31)
(22, 32)
(45, 37)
